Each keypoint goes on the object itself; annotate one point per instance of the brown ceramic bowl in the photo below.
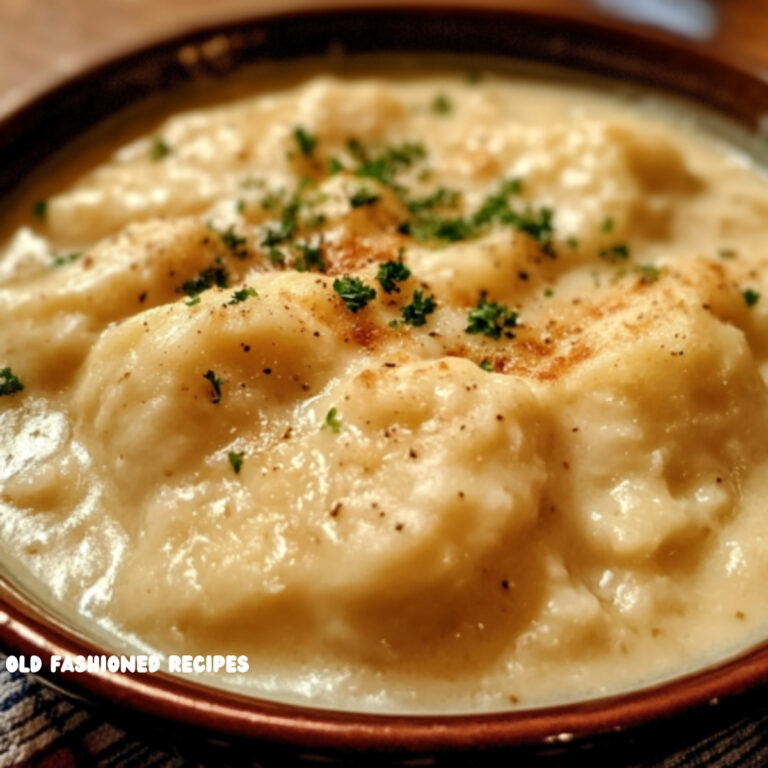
(609, 729)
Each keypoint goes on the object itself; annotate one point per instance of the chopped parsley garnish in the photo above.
(442, 105)
(193, 300)
(10, 383)
(289, 223)
(276, 256)
(236, 460)
(648, 273)
(390, 273)
(751, 297)
(362, 197)
(159, 150)
(66, 258)
(334, 166)
(215, 386)
(242, 295)
(608, 225)
(537, 224)
(383, 166)
(416, 312)
(229, 238)
(614, 253)
(332, 421)
(272, 200)
(572, 242)
(548, 293)
(442, 197)
(40, 209)
(311, 258)
(727, 253)
(491, 319)
(486, 365)
(511, 186)
(354, 292)
(305, 141)
(357, 150)
(215, 275)
(317, 220)
(306, 182)
(433, 228)
(495, 208)
(236, 243)
(240, 205)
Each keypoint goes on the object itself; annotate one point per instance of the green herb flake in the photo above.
(240, 205)
(390, 273)
(315, 221)
(728, 253)
(272, 200)
(357, 150)
(40, 209)
(486, 365)
(538, 225)
(751, 297)
(289, 223)
(215, 386)
(572, 242)
(311, 258)
(512, 186)
(452, 230)
(648, 273)
(384, 166)
(548, 293)
(193, 300)
(276, 256)
(362, 197)
(215, 275)
(354, 292)
(242, 295)
(305, 141)
(608, 225)
(63, 259)
(236, 243)
(334, 166)
(10, 383)
(618, 252)
(236, 461)
(491, 319)
(441, 105)
(416, 312)
(440, 198)
(495, 207)
(305, 183)
(159, 150)
(332, 421)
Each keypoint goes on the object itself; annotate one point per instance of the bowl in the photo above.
(650, 720)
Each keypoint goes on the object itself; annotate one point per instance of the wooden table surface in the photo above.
(42, 41)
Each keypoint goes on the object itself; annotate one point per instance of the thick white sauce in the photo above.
(586, 515)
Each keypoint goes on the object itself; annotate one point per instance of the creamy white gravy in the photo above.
(531, 468)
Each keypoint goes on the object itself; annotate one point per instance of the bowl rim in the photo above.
(27, 628)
